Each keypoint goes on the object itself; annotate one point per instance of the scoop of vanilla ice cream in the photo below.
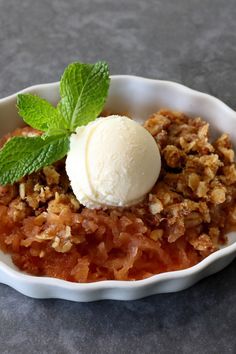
(112, 161)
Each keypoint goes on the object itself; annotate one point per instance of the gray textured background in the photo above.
(189, 41)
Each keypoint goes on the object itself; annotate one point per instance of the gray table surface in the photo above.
(188, 41)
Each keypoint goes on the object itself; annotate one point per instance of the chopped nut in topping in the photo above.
(193, 181)
(56, 242)
(44, 236)
(22, 190)
(68, 232)
(61, 245)
(52, 176)
(202, 189)
(203, 243)
(217, 195)
(173, 156)
(155, 205)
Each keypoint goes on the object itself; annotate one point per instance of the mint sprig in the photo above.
(83, 89)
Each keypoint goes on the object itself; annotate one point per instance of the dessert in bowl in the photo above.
(206, 251)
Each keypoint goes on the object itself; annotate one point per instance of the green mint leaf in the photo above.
(83, 89)
(23, 155)
(39, 114)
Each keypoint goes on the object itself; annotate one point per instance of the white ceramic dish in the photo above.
(140, 97)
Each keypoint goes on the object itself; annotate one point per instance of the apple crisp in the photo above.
(183, 219)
